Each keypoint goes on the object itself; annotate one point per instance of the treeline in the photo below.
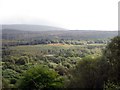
(17, 37)
(48, 41)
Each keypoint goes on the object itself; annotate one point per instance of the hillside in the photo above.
(25, 35)
(16, 34)
(26, 27)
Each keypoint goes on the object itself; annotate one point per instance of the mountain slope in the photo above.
(25, 27)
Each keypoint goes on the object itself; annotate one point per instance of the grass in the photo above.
(44, 49)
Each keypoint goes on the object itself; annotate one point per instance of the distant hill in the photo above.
(25, 27)
(18, 32)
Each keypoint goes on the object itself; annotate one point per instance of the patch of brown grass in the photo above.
(59, 44)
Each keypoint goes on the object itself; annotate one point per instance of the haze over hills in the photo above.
(26, 27)
(30, 27)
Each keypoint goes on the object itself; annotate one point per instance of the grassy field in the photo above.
(56, 48)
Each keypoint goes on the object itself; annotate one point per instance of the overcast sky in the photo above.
(69, 14)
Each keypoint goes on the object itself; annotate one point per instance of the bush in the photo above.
(89, 73)
(40, 77)
(22, 60)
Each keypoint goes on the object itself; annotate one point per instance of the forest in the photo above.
(34, 60)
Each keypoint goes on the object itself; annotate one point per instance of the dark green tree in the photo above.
(40, 77)
(89, 73)
(22, 60)
(112, 56)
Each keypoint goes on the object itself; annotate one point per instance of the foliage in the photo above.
(111, 86)
(112, 56)
(88, 74)
(22, 60)
(61, 52)
(39, 77)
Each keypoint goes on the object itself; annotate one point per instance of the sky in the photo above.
(68, 14)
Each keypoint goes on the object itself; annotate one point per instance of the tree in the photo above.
(89, 73)
(40, 77)
(5, 84)
(9, 78)
(22, 60)
(112, 56)
(61, 70)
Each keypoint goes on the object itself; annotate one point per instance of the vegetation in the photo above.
(101, 72)
(112, 56)
(40, 77)
(89, 73)
(59, 61)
